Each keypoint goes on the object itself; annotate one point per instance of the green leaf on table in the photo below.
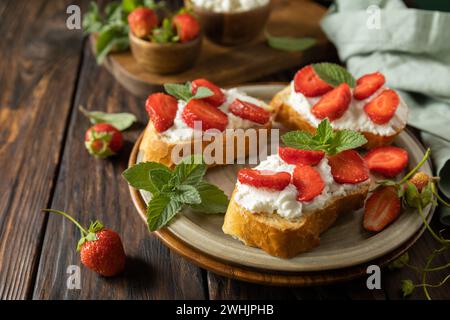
(325, 139)
(138, 176)
(161, 209)
(120, 121)
(213, 199)
(290, 43)
(334, 74)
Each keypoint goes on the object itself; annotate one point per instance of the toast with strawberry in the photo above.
(326, 90)
(180, 118)
(284, 204)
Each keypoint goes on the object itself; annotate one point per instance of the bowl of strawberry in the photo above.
(168, 45)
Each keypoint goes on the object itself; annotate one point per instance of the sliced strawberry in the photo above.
(162, 110)
(187, 26)
(249, 111)
(387, 160)
(218, 97)
(348, 167)
(382, 108)
(367, 85)
(333, 104)
(298, 156)
(308, 182)
(264, 178)
(307, 82)
(381, 209)
(209, 116)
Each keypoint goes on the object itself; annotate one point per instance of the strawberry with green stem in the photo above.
(417, 190)
(101, 249)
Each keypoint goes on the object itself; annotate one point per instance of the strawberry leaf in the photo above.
(334, 74)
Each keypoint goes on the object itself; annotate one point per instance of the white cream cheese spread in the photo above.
(355, 118)
(285, 203)
(180, 131)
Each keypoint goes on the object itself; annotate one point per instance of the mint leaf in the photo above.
(161, 209)
(202, 92)
(165, 33)
(324, 131)
(179, 91)
(213, 200)
(345, 140)
(160, 178)
(325, 139)
(290, 43)
(184, 91)
(300, 140)
(138, 176)
(121, 121)
(187, 194)
(334, 74)
(189, 172)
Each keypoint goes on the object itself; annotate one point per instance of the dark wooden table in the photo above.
(46, 72)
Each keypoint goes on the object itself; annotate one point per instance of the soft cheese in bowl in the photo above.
(231, 22)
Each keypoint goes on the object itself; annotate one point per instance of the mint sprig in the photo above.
(334, 74)
(172, 190)
(184, 91)
(325, 139)
(121, 121)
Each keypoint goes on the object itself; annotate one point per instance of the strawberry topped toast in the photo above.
(285, 203)
(326, 90)
(175, 117)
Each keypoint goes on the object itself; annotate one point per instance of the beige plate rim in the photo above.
(234, 252)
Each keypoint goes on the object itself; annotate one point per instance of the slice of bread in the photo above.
(155, 148)
(292, 119)
(285, 238)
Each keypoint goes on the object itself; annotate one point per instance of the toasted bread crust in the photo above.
(287, 238)
(293, 120)
(156, 149)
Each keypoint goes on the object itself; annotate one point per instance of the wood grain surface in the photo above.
(45, 72)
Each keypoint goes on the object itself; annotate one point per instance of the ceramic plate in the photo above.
(345, 244)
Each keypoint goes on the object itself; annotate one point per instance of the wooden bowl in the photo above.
(232, 28)
(165, 58)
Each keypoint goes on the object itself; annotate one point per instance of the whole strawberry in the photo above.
(103, 140)
(187, 26)
(142, 21)
(101, 249)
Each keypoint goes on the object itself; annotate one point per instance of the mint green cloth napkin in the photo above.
(412, 49)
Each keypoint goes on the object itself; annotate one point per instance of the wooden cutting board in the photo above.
(233, 65)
